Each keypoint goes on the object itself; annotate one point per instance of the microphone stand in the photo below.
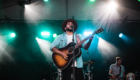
(73, 53)
(51, 71)
(88, 67)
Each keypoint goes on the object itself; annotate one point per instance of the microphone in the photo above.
(72, 26)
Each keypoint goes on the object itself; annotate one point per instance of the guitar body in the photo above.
(117, 76)
(113, 78)
(60, 62)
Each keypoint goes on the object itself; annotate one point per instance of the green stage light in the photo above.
(54, 35)
(45, 33)
(13, 34)
(139, 0)
(46, 0)
(92, 0)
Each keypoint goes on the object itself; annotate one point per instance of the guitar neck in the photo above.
(96, 32)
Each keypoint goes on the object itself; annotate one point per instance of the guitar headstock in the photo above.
(99, 30)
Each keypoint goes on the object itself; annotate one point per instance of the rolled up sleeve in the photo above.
(55, 43)
(110, 68)
(123, 69)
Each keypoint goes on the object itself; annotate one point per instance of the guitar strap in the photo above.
(78, 40)
(120, 70)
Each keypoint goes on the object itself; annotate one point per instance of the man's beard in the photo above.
(118, 64)
(70, 30)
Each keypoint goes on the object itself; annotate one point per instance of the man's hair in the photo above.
(118, 58)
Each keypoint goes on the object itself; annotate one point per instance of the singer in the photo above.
(62, 41)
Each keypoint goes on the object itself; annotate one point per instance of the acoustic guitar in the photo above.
(63, 64)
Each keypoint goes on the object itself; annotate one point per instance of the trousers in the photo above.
(66, 75)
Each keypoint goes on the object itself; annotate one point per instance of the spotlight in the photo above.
(24, 2)
(13, 34)
(113, 5)
(92, 0)
(139, 0)
(26, 6)
(54, 35)
(46, 0)
(87, 33)
(120, 35)
(45, 33)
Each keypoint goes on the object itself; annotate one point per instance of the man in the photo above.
(63, 40)
(117, 71)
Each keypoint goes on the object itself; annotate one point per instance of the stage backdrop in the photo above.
(27, 56)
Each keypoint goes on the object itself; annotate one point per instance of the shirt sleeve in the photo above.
(81, 38)
(123, 69)
(56, 43)
(110, 68)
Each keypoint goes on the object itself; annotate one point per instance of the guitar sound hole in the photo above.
(70, 50)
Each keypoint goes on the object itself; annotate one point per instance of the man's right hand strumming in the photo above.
(55, 50)
(113, 77)
(64, 56)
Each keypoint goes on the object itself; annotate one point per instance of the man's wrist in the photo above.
(111, 74)
(90, 40)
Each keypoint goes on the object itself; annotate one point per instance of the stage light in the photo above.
(126, 38)
(26, 6)
(112, 5)
(24, 2)
(13, 34)
(4, 46)
(92, 0)
(120, 35)
(45, 49)
(54, 35)
(106, 49)
(45, 33)
(46, 0)
(87, 33)
(139, 0)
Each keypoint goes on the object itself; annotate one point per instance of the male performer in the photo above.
(117, 71)
(64, 39)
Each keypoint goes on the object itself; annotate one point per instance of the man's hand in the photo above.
(113, 76)
(88, 43)
(55, 50)
(64, 56)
